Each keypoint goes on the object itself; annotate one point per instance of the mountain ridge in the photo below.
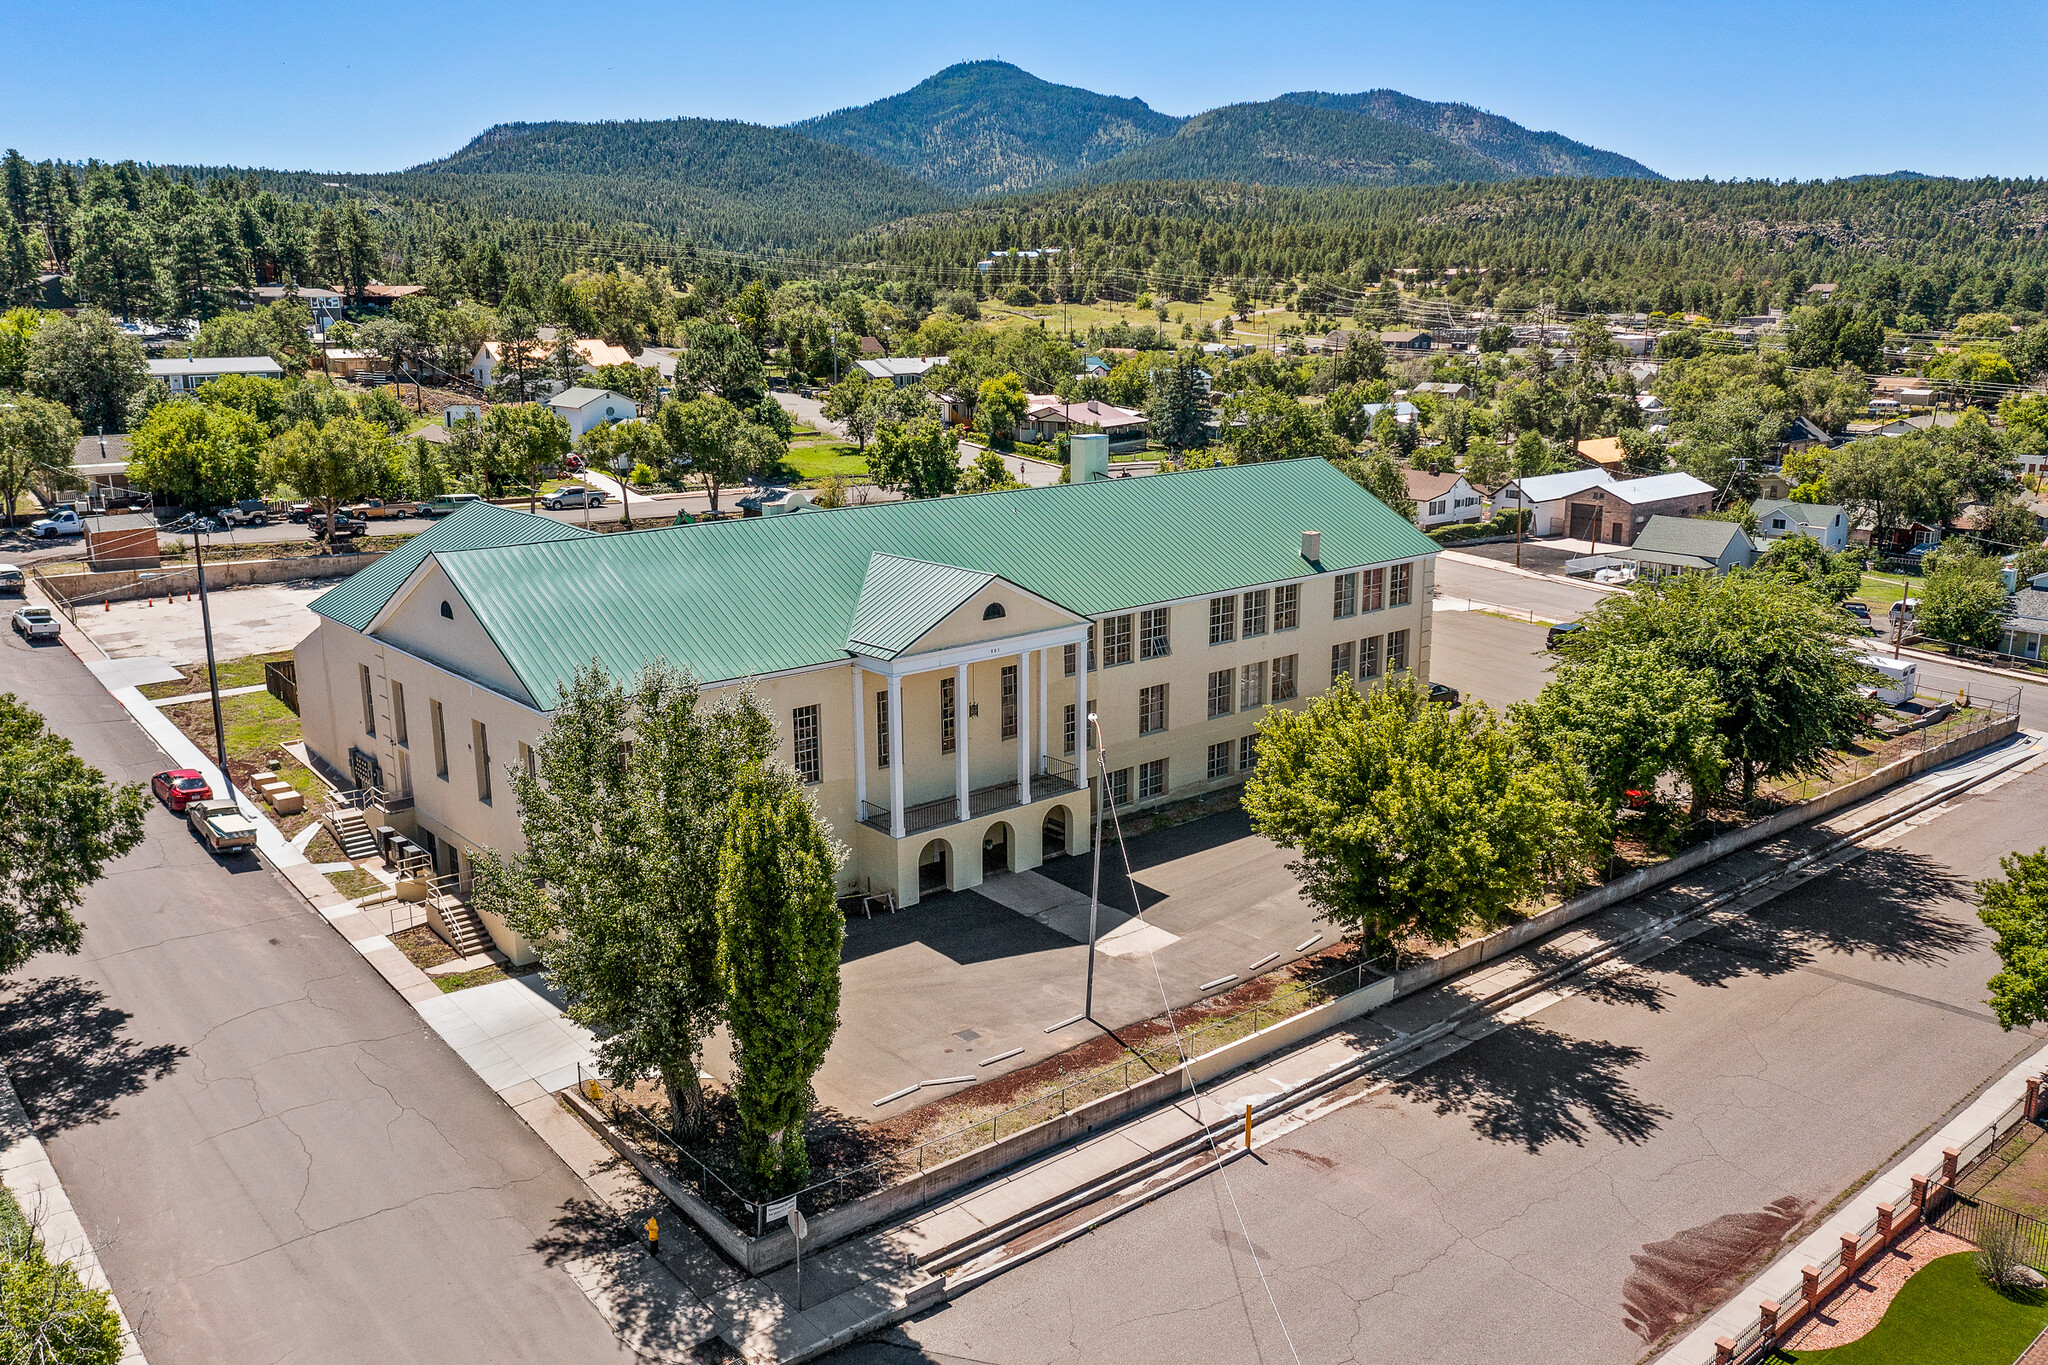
(1515, 149)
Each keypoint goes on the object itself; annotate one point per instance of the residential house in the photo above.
(1096, 367)
(1442, 498)
(1404, 411)
(325, 304)
(376, 291)
(1449, 392)
(930, 683)
(1334, 341)
(585, 408)
(100, 463)
(1591, 504)
(872, 346)
(1045, 417)
(1689, 545)
(1821, 293)
(342, 364)
(1801, 433)
(901, 370)
(1547, 497)
(1603, 452)
(2026, 621)
(1405, 341)
(1825, 522)
(595, 351)
(185, 375)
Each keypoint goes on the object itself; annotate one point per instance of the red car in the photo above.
(178, 786)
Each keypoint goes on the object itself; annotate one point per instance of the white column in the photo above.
(1023, 728)
(1081, 717)
(960, 740)
(1044, 685)
(895, 757)
(860, 744)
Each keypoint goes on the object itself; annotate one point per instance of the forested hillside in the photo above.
(985, 127)
(1282, 143)
(1518, 151)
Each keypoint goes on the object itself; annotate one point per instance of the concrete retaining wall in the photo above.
(778, 1248)
(128, 585)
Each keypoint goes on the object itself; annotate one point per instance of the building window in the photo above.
(1375, 589)
(1283, 677)
(1152, 641)
(1255, 613)
(369, 701)
(1220, 684)
(1222, 620)
(440, 739)
(400, 731)
(1251, 690)
(1219, 760)
(1070, 729)
(1009, 701)
(1369, 658)
(1287, 607)
(810, 760)
(1247, 753)
(1151, 709)
(1401, 582)
(1120, 787)
(947, 738)
(1345, 602)
(1340, 662)
(1436, 509)
(1397, 651)
(1152, 779)
(1116, 641)
(480, 742)
(527, 764)
(1069, 653)
(882, 729)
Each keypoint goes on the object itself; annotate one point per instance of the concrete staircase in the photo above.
(352, 832)
(460, 926)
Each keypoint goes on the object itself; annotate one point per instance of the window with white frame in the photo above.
(1152, 637)
(1151, 709)
(1287, 607)
(1400, 585)
(1247, 753)
(1219, 760)
(1120, 787)
(1397, 651)
(1116, 641)
(1284, 670)
(1251, 690)
(1222, 684)
(1152, 779)
(1374, 594)
(948, 730)
(1436, 509)
(1009, 701)
(1340, 661)
(806, 753)
(1254, 615)
(1070, 729)
(1222, 620)
(1369, 658)
(1344, 597)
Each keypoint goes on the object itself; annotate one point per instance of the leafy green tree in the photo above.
(779, 935)
(115, 263)
(88, 364)
(330, 465)
(1783, 662)
(1413, 820)
(37, 437)
(197, 455)
(1178, 414)
(1629, 716)
(1003, 405)
(917, 459)
(720, 361)
(48, 1315)
(987, 474)
(18, 328)
(2015, 907)
(1728, 442)
(1964, 601)
(1376, 471)
(712, 440)
(854, 404)
(61, 823)
(526, 437)
(1261, 424)
(617, 887)
(1835, 575)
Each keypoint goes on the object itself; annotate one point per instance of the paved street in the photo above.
(277, 1160)
(1572, 1186)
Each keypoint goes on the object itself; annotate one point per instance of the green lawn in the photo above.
(1881, 590)
(812, 460)
(1946, 1314)
(244, 672)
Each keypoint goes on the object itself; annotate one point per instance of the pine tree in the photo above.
(779, 934)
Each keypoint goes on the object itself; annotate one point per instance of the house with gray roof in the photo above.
(1825, 522)
(1689, 545)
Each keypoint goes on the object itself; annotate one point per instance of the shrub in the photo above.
(642, 476)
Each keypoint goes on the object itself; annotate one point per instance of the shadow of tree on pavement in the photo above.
(68, 1055)
(1895, 906)
(1532, 1086)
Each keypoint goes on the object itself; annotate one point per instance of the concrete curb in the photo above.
(30, 1177)
(1930, 656)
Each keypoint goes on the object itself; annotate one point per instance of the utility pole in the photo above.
(220, 733)
(1095, 878)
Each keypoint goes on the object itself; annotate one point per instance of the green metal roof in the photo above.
(901, 599)
(356, 600)
(735, 599)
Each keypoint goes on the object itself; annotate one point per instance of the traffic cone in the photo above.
(106, 604)
(188, 594)
(150, 600)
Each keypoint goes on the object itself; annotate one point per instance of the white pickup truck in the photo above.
(64, 522)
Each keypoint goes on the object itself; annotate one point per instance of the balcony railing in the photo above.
(1057, 780)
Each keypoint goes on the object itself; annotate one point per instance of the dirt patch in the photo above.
(2015, 1174)
(1697, 1269)
(423, 947)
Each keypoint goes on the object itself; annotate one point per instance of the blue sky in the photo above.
(1729, 90)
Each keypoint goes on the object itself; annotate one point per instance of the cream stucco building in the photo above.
(930, 665)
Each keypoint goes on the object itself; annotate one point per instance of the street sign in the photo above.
(779, 1208)
(797, 1224)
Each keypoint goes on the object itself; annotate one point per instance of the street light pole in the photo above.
(1095, 878)
(220, 733)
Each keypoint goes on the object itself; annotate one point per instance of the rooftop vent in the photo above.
(1312, 546)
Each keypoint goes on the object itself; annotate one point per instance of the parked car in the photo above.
(1908, 608)
(1444, 693)
(1861, 613)
(573, 496)
(446, 503)
(13, 583)
(344, 524)
(36, 623)
(64, 522)
(300, 512)
(247, 512)
(221, 824)
(376, 509)
(179, 787)
(1558, 632)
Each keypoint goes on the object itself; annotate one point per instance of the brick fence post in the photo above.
(1767, 1313)
(1884, 1224)
(1920, 1192)
(1809, 1286)
(1724, 1350)
(1849, 1253)
(1950, 1157)
(2033, 1097)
